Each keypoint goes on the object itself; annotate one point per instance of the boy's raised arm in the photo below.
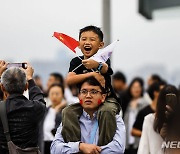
(73, 78)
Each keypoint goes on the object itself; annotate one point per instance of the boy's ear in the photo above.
(101, 45)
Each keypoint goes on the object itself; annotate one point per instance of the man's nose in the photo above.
(88, 94)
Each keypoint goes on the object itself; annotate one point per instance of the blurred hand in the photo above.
(3, 66)
(60, 106)
(29, 71)
(169, 111)
(163, 131)
(90, 63)
(89, 148)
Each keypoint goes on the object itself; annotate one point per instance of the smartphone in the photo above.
(23, 65)
(171, 100)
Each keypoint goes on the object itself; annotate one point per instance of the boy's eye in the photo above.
(93, 39)
(83, 39)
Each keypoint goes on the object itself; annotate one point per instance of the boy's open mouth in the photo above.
(87, 48)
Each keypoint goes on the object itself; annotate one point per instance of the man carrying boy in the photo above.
(90, 41)
(90, 92)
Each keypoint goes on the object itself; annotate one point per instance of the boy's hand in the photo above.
(100, 78)
(89, 148)
(90, 63)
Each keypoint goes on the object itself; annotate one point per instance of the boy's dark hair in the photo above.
(58, 77)
(91, 81)
(94, 29)
(119, 76)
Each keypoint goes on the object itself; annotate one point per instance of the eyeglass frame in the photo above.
(90, 92)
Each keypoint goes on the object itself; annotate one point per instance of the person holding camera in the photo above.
(23, 115)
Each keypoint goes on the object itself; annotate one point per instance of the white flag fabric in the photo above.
(103, 54)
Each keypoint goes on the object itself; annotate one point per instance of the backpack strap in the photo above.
(4, 120)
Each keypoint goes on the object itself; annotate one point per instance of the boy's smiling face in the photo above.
(89, 43)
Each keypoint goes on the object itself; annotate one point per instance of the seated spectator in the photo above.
(91, 95)
(23, 115)
(53, 115)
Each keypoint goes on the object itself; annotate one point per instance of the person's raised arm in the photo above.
(3, 66)
(73, 78)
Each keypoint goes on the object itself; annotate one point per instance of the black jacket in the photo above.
(23, 117)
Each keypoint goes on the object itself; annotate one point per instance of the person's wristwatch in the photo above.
(100, 66)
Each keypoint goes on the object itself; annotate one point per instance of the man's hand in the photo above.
(3, 66)
(89, 148)
(29, 71)
(90, 63)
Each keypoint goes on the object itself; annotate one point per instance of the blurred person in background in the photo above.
(153, 92)
(53, 115)
(119, 83)
(134, 104)
(151, 140)
(170, 130)
(58, 78)
(151, 79)
(23, 115)
(38, 81)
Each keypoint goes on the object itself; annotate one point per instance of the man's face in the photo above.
(118, 85)
(89, 43)
(91, 98)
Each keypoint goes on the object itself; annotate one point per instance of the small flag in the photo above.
(70, 42)
(103, 54)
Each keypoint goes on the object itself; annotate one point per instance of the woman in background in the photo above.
(134, 103)
(151, 140)
(53, 115)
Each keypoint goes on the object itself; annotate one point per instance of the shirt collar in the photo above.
(86, 115)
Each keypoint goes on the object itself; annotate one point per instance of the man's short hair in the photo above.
(94, 29)
(14, 80)
(93, 82)
(119, 76)
(152, 88)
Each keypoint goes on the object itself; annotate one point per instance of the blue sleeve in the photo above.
(58, 145)
(117, 145)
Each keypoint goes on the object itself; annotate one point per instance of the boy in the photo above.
(90, 41)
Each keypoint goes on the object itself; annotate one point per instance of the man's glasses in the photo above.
(92, 92)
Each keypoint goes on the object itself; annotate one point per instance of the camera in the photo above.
(23, 65)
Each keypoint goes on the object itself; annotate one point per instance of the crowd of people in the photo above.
(91, 110)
